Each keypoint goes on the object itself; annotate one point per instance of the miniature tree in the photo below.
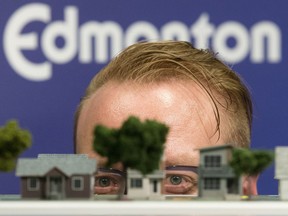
(138, 145)
(13, 141)
(249, 162)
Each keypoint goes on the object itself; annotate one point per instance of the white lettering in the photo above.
(14, 42)
(66, 29)
(175, 31)
(97, 42)
(271, 32)
(234, 30)
(202, 30)
(100, 32)
(141, 30)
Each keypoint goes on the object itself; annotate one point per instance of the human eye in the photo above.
(180, 183)
(107, 183)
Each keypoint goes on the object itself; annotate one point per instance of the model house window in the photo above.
(33, 184)
(77, 183)
(212, 161)
(136, 183)
(212, 183)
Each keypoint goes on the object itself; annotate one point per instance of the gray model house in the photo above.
(281, 170)
(56, 176)
(216, 178)
(144, 187)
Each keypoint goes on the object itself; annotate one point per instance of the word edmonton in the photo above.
(98, 42)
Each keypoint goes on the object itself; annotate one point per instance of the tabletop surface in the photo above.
(155, 208)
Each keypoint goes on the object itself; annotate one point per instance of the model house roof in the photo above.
(69, 164)
(156, 174)
(217, 147)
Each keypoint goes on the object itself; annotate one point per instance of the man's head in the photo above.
(201, 99)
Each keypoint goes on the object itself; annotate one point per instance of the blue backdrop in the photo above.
(48, 56)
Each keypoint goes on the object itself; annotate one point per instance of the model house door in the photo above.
(56, 187)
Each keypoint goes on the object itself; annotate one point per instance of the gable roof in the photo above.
(217, 147)
(69, 164)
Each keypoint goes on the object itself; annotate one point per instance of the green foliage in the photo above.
(249, 162)
(263, 158)
(107, 143)
(138, 145)
(13, 141)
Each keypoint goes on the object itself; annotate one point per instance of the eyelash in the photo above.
(188, 187)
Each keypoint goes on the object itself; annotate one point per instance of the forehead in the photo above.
(182, 105)
(147, 101)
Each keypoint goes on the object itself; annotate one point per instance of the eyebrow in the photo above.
(103, 169)
(183, 167)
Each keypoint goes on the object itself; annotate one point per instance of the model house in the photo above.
(217, 179)
(56, 176)
(281, 170)
(144, 187)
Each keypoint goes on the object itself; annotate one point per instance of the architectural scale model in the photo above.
(217, 179)
(145, 187)
(139, 147)
(221, 168)
(281, 170)
(57, 176)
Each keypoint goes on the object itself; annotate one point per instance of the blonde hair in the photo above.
(150, 62)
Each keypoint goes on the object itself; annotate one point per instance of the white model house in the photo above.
(57, 176)
(144, 187)
(217, 179)
(281, 170)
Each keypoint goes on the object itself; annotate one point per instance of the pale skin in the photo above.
(182, 105)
